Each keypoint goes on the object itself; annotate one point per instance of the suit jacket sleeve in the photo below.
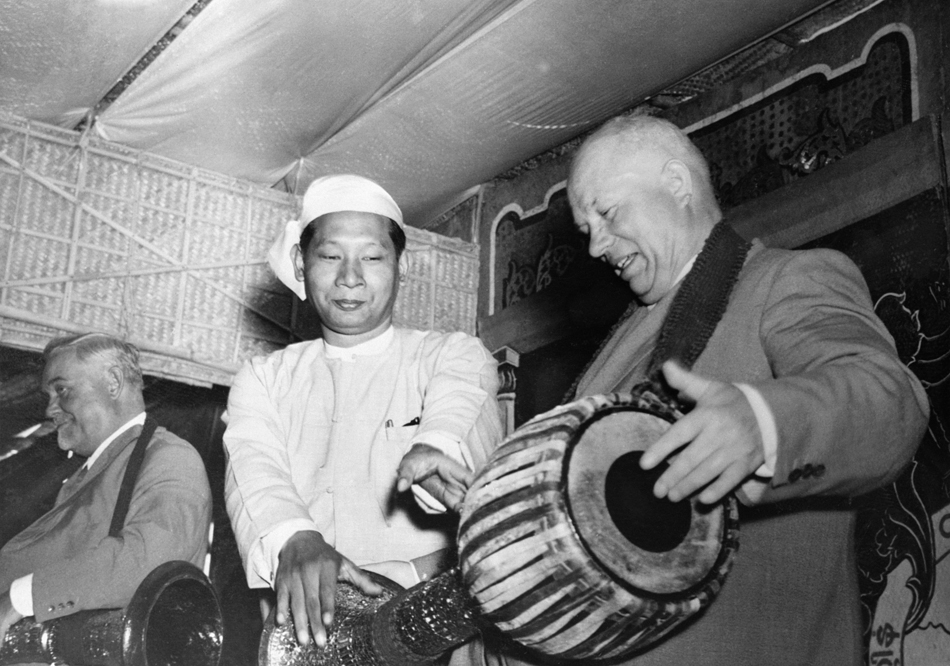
(849, 413)
(168, 520)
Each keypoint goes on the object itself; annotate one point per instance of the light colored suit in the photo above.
(800, 328)
(77, 566)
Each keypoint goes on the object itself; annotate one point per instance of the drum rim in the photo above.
(715, 576)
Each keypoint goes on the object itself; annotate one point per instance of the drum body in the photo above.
(173, 619)
(566, 550)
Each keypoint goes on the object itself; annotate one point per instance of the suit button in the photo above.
(807, 470)
(70, 604)
(62, 606)
(819, 470)
(794, 475)
(330, 491)
(51, 609)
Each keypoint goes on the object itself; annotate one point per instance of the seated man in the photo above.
(86, 552)
(323, 435)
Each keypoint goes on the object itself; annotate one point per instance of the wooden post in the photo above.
(507, 364)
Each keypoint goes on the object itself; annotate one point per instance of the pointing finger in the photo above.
(680, 433)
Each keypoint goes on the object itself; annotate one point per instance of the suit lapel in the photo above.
(123, 441)
(69, 497)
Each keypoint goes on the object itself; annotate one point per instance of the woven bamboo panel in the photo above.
(97, 237)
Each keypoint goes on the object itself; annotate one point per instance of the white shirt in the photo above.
(315, 434)
(275, 540)
(21, 590)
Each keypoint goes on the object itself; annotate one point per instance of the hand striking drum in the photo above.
(562, 547)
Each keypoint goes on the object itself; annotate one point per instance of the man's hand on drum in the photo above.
(307, 573)
(443, 478)
(713, 448)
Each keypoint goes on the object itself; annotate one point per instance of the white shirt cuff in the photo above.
(21, 595)
(273, 541)
(451, 448)
(767, 428)
(444, 443)
(426, 501)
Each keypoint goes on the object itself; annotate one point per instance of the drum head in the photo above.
(647, 544)
(564, 547)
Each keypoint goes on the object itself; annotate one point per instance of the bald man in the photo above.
(799, 401)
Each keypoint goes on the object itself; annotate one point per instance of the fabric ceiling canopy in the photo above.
(430, 97)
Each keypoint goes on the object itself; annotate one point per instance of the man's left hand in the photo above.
(445, 479)
(8, 615)
(718, 443)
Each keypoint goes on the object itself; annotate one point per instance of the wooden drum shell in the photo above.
(545, 562)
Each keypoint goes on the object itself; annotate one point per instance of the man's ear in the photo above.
(115, 380)
(679, 180)
(296, 256)
(404, 265)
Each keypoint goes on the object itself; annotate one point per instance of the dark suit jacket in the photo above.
(800, 328)
(77, 566)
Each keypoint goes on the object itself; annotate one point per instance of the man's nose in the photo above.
(351, 273)
(52, 408)
(597, 244)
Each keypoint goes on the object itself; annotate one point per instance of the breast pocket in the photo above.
(401, 434)
(388, 450)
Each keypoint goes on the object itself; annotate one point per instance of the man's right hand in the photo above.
(307, 572)
(443, 478)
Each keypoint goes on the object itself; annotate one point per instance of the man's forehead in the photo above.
(65, 365)
(351, 225)
(351, 218)
(601, 170)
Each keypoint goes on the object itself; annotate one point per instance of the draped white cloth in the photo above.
(430, 98)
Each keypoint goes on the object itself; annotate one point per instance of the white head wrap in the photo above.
(330, 194)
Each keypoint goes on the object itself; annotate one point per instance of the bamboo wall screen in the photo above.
(97, 237)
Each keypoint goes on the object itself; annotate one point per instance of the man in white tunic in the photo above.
(324, 436)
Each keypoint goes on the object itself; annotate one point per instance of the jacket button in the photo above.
(794, 475)
(819, 470)
(51, 609)
(807, 470)
(70, 604)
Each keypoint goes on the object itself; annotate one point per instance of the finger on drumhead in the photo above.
(670, 442)
(301, 616)
(362, 580)
(728, 481)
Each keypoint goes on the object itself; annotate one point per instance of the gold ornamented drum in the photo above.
(173, 619)
(564, 546)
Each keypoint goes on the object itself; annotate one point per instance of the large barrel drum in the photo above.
(566, 550)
